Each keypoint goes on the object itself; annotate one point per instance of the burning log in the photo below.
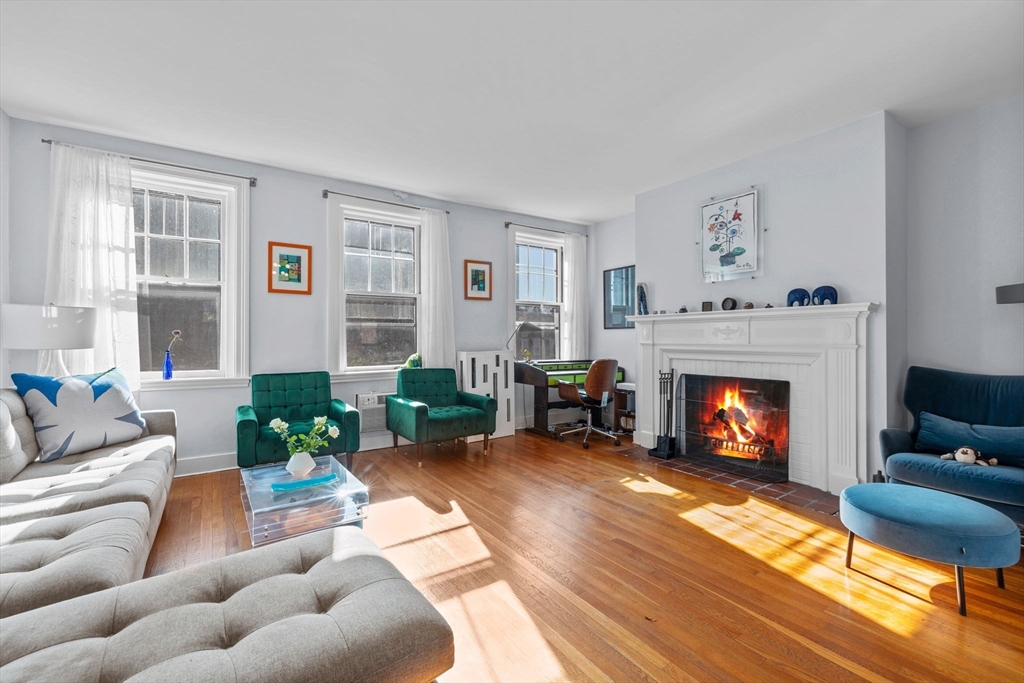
(738, 425)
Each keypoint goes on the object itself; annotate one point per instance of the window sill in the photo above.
(186, 383)
(364, 375)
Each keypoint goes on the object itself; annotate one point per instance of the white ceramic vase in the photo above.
(300, 464)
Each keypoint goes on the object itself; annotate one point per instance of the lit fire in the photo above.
(736, 416)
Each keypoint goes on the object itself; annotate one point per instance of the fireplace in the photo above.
(736, 421)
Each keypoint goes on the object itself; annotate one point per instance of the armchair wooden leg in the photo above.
(395, 435)
(999, 578)
(486, 438)
(419, 453)
(348, 462)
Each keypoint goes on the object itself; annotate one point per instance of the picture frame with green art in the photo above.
(477, 280)
(290, 268)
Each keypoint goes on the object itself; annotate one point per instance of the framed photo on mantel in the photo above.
(477, 280)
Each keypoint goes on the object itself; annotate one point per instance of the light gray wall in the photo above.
(965, 238)
(824, 208)
(285, 206)
(5, 193)
(896, 180)
(611, 245)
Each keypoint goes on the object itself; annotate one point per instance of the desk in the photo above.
(545, 375)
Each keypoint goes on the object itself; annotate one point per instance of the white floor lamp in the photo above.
(48, 328)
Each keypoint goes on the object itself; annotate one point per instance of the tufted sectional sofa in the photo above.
(82, 523)
(74, 538)
(322, 607)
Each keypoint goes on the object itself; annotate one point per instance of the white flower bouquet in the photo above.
(305, 443)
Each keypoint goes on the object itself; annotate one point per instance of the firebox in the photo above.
(734, 421)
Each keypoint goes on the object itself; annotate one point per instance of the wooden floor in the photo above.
(555, 563)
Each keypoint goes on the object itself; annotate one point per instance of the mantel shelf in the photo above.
(827, 311)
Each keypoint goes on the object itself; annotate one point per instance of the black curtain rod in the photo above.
(251, 179)
(534, 227)
(379, 201)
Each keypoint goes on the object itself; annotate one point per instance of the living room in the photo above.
(537, 179)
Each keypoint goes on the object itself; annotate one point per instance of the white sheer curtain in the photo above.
(437, 315)
(91, 259)
(575, 318)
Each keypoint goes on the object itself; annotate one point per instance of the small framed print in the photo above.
(707, 306)
(477, 279)
(290, 268)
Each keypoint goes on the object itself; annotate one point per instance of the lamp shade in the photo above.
(1010, 294)
(525, 326)
(47, 327)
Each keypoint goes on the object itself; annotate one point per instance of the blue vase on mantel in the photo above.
(168, 365)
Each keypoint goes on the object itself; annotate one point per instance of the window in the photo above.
(190, 237)
(539, 295)
(378, 280)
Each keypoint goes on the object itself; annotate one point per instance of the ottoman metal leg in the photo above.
(961, 596)
(999, 578)
(849, 549)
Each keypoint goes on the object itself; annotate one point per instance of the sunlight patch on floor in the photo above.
(441, 552)
(402, 520)
(423, 543)
(496, 640)
(814, 555)
(648, 485)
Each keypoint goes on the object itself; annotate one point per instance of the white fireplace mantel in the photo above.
(820, 350)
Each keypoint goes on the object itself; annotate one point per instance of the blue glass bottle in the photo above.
(168, 365)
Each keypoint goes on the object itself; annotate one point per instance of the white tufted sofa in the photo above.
(321, 607)
(82, 523)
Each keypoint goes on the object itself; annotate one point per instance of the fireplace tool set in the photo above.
(666, 447)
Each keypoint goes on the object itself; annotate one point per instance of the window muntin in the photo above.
(178, 260)
(381, 291)
(538, 298)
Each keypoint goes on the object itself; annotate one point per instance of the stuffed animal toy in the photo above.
(969, 456)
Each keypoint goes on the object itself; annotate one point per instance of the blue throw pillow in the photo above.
(942, 435)
(79, 413)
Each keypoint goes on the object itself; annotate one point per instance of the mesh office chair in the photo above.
(597, 391)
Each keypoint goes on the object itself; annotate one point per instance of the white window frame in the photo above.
(548, 240)
(340, 208)
(233, 194)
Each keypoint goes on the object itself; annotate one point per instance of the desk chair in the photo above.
(597, 391)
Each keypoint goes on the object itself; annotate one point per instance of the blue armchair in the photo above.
(970, 401)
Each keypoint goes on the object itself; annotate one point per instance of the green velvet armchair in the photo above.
(296, 398)
(429, 408)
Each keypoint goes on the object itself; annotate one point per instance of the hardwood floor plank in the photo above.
(555, 563)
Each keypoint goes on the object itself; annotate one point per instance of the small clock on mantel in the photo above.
(728, 304)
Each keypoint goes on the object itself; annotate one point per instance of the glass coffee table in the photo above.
(274, 515)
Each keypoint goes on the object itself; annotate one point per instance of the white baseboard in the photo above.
(201, 464)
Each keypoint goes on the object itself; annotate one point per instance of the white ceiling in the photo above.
(563, 110)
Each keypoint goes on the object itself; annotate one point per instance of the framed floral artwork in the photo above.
(728, 231)
(477, 280)
(290, 268)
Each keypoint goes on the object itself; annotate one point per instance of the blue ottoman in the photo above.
(932, 525)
